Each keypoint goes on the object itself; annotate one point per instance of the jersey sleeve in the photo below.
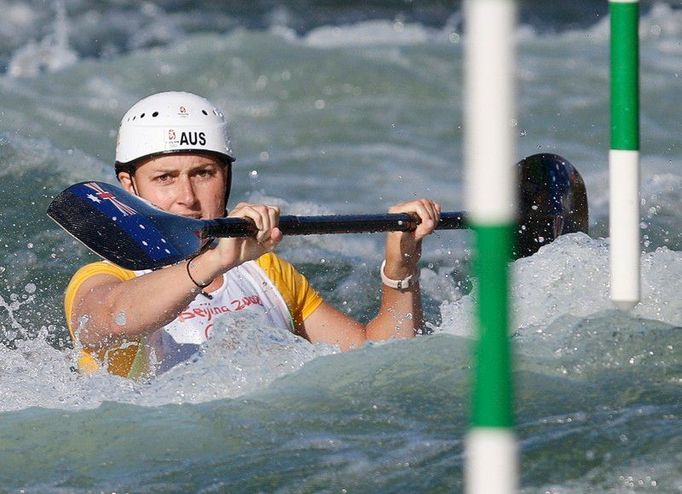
(119, 360)
(300, 297)
(84, 274)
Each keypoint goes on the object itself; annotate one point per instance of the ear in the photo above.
(126, 182)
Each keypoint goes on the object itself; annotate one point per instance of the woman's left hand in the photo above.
(403, 249)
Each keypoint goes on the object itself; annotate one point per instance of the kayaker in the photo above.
(174, 150)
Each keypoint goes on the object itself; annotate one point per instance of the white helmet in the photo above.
(171, 122)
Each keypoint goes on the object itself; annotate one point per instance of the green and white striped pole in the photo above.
(491, 464)
(624, 170)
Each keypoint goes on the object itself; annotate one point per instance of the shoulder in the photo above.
(95, 269)
(280, 270)
(86, 273)
(272, 262)
(300, 297)
(102, 267)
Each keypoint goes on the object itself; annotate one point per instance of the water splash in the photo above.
(51, 54)
(15, 329)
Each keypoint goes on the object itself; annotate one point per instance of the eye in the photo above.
(164, 178)
(206, 173)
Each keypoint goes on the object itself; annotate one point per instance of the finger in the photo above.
(434, 211)
(266, 218)
(424, 209)
(429, 215)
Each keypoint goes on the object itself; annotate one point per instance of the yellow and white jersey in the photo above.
(269, 287)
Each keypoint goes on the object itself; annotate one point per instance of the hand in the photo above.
(232, 252)
(403, 249)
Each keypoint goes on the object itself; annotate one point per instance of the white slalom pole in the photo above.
(491, 463)
(624, 168)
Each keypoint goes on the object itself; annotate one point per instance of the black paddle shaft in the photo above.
(317, 225)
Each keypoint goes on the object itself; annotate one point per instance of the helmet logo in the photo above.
(171, 140)
(182, 111)
(192, 138)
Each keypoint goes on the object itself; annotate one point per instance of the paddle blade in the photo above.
(123, 228)
(552, 202)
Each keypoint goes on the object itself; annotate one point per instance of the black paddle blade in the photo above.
(123, 228)
(552, 202)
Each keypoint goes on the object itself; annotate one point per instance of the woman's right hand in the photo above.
(231, 252)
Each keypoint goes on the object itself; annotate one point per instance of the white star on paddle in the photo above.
(94, 198)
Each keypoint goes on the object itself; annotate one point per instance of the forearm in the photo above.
(131, 309)
(400, 315)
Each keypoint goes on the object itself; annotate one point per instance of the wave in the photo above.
(34, 40)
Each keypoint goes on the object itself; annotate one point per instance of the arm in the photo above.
(115, 310)
(400, 314)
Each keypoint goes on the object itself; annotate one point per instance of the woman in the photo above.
(173, 149)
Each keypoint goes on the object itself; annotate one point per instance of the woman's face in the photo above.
(187, 184)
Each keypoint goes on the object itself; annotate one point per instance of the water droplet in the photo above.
(30, 288)
(120, 319)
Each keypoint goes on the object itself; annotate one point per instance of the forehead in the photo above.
(179, 161)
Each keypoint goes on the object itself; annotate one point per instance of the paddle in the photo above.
(132, 233)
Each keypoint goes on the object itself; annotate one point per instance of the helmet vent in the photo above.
(204, 112)
(142, 116)
(155, 114)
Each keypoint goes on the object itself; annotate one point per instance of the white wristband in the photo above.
(396, 284)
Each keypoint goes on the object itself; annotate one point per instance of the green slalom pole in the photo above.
(491, 458)
(624, 166)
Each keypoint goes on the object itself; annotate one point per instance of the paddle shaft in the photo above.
(313, 225)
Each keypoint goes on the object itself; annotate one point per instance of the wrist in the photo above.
(201, 269)
(398, 266)
(398, 279)
(194, 276)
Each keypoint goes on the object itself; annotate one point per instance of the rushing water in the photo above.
(342, 108)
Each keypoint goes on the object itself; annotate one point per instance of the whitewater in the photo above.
(344, 109)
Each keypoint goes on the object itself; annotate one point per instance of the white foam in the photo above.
(242, 357)
(570, 277)
(369, 33)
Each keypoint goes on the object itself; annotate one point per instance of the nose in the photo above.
(186, 195)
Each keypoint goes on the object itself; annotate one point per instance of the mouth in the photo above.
(196, 216)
